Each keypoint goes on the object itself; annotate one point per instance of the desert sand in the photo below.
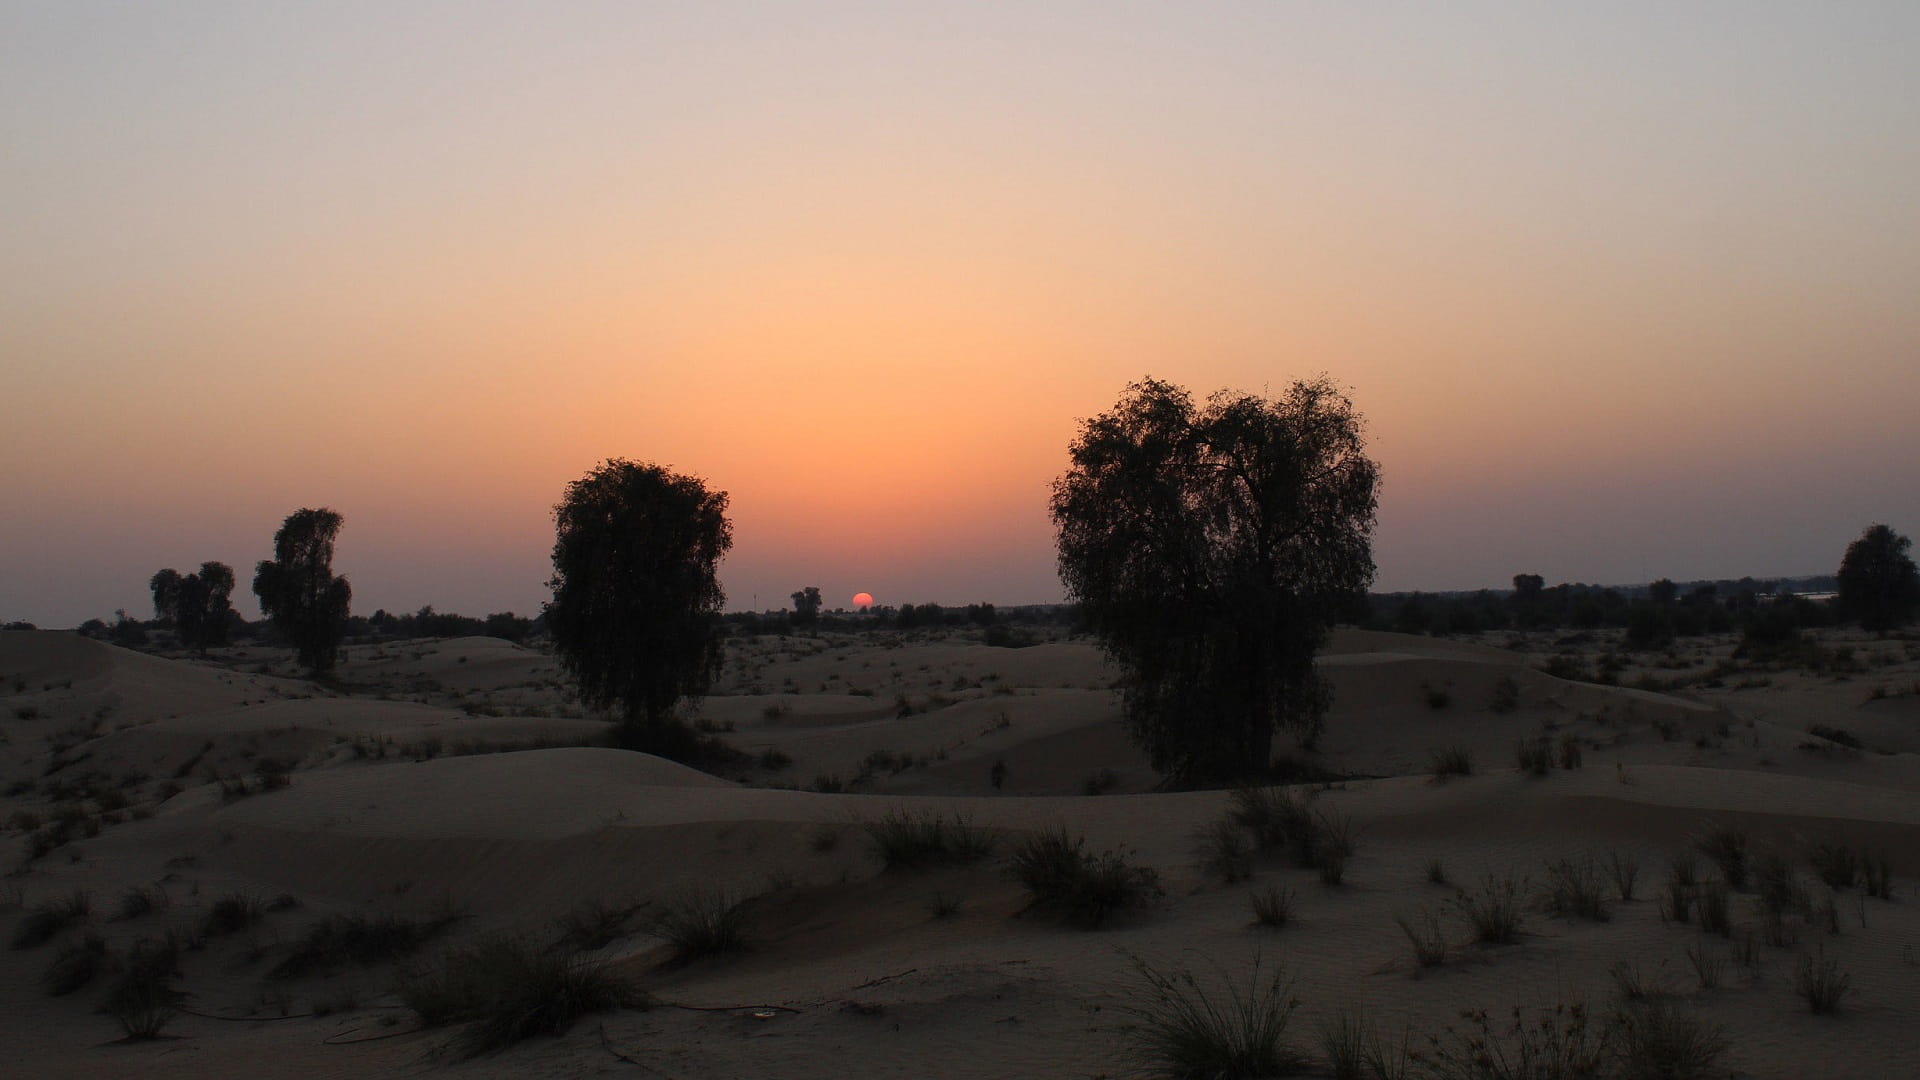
(449, 776)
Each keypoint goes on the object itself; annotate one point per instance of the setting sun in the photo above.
(862, 600)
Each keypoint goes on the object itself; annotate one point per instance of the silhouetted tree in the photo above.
(1527, 587)
(806, 605)
(1663, 592)
(1210, 549)
(636, 597)
(166, 594)
(1879, 586)
(199, 605)
(298, 592)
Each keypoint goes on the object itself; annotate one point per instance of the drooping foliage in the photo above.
(1879, 586)
(636, 595)
(199, 605)
(1210, 549)
(298, 591)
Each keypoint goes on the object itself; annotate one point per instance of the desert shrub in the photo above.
(1494, 910)
(1428, 938)
(1876, 875)
(1101, 782)
(1728, 850)
(942, 906)
(1664, 1040)
(1184, 1031)
(1633, 984)
(1452, 761)
(1570, 757)
(903, 840)
(1534, 756)
(39, 925)
(593, 924)
(75, 965)
(1505, 696)
(358, 939)
(774, 759)
(1837, 865)
(1821, 983)
(1272, 906)
(1436, 697)
(1061, 875)
(1781, 891)
(1561, 1043)
(1683, 881)
(1274, 815)
(1625, 872)
(704, 923)
(142, 1000)
(1576, 887)
(1354, 1049)
(1436, 871)
(1838, 736)
(1224, 852)
(233, 913)
(1712, 906)
(141, 900)
(1706, 966)
(505, 991)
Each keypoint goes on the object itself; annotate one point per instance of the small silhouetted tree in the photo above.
(298, 591)
(635, 614)
(1879, 586)
(199, 605)
(1663, 592)
(1210, 549)
(806, 605)
(1528, 587)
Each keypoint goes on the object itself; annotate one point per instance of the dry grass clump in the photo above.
(142, 900)
(1185, 1031)
(1428, 938)
(703, 923)
(142, 999)
(595, 923)
(1712, 905)
(505, 990)
(75, 965)
(1494, 910)
(39, 925)
(1224, 852)
(1576, 888)
(1086, 889)
(1272, 906)
(1821, 983)
(233, 913)
(358, 939)
(1452, 761)
(903, 840)
(1625, 872)
(1662, 1040)
(1728, 850)
(1354, 1049)
(1561, 1043)
(1534, 756)
(1837, 865)
(1683, 881)
(1274, 815)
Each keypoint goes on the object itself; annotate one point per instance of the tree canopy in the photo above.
(298, 591)
(199, 605)
(636, 596)
(1879, 586)
(1210, 549)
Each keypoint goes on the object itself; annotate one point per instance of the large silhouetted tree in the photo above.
(1879, 586)
(298, 592)
(806, 605)
(199, 605)
(636, 602)
(1210, 550)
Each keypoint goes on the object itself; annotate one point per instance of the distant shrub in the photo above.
(1576, 888)
(1505, 696)
(1436, 871)
(1060, 875)
(1436, 697)
(232, 913)
(1821, 984)
(702, 923)
(1274, 815)
(1570, 756)
(1837, 865)
(903, 841)
(1728, 850)
(1183, 1030)
(1224, 851)
(142, 999)
(506, 991)
(1714, 916)
(1840, 736)
(1535, 756)
(1101, 782)
(1494, 910)
(1452, 761)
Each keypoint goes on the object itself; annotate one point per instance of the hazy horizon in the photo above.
(1622, 292)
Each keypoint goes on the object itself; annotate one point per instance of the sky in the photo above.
(1622, 290)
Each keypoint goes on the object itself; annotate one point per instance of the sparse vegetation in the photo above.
(1821, 983)
(1060, 875)
(40, 924)
(702, 923)
(1624, 869)
(1185, 1031)
(903, 840)
(1224, 852)
(75, 965)
(1452, 761)
(1534, 756)
(1576, 888)
(362, 940)
(1493, 910)
(1561, 1043)
(1664, 1040)
(1272, 906)
(1427, 936)
(505, 990)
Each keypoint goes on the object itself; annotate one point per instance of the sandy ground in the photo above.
(449, 776)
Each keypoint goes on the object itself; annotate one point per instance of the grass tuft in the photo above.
(1821, 983)
(1272, 906)
(1493, 910)
(38, 926)
(505, 990)
(1728, 850)
(707, 923)
(1576, 888)
(1663, 1040)
(1428, 938)
(362, 940)
(906, 841)
(1185, 1031)
(1084, 888)
(1452, 761)
(1224, 851)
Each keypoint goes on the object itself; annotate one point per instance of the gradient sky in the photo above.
(1623, 290)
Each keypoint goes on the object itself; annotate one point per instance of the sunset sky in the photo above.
(1623, 290)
